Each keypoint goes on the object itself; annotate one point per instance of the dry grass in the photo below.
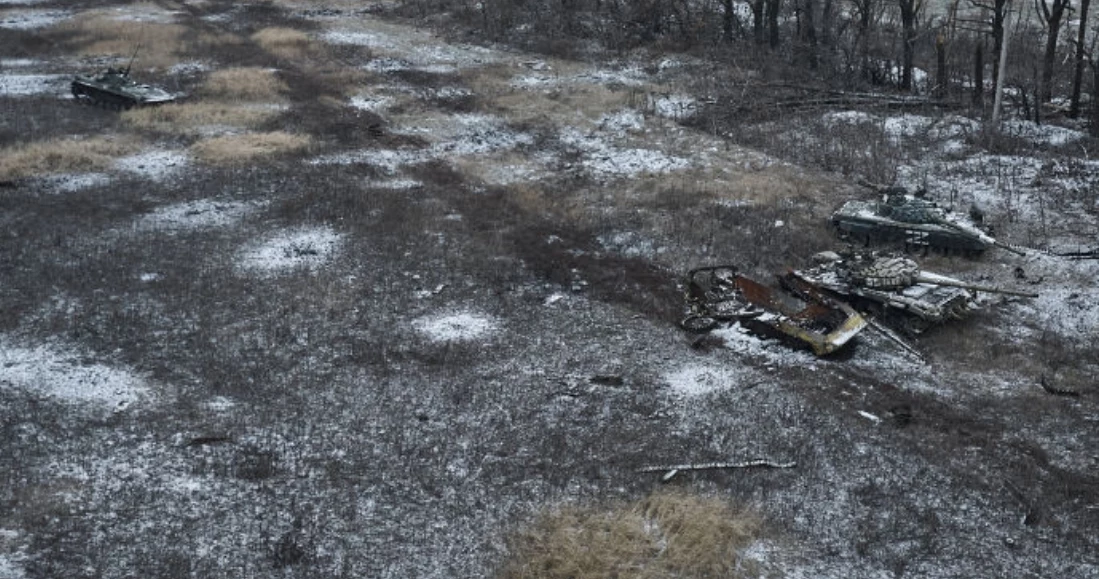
(247, 83)
(667, 535)
(234, 149)
(285, 43)
(102, 33)
(239, 98)
(62, 156)
(187, 118)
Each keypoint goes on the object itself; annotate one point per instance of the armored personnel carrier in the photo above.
(721, 294)
(914, 221)
(894, 288)
(113, 88)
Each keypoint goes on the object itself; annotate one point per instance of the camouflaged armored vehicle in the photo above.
(114, 89)
(894, 288)
(914, 221)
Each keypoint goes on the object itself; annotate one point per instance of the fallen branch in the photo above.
(673, 470)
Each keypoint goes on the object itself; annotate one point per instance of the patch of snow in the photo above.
(396, 184)
(299, 248)
(18, 85)
(622, 122)
(465, 134)
(69, 183)
(772, 352)
(154, 165)
(21, 2)
(148, 277)
(697, 378)
(144, 12)
(198, 214)
(675, 106)
(17, 62)
(607, 160)
(189, 67)
(32, 19)
(906, 126)
(455, 326)
(630, 244)
(220, 404)
(10, 568)
(1041, 134)
(389, 160)
(67, 376)
(372, 103)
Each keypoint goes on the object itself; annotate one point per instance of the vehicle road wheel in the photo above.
(698, 324)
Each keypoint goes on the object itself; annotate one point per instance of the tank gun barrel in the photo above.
(925, 277)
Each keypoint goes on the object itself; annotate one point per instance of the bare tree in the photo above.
(1078, 72)
(910, 12)
(1051, 13)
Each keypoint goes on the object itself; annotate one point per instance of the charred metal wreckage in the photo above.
(720, 294)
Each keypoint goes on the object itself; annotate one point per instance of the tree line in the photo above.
(949, 52)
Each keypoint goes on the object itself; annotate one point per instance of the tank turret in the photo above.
(896, 288)
(914, 221)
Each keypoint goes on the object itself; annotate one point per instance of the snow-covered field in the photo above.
(377, 359)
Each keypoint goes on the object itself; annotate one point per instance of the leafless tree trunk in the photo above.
(1051, 14)
(773, 9)
(910, 10)
(1078, 72)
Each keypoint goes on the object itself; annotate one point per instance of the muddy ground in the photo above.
(458, 307)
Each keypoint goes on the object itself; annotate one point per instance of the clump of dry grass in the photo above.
(240, 98)
(61, 156)
(101, 33)
(667, 535)
(232, 149)
(183, 118)
(285, 42)
(245, 83)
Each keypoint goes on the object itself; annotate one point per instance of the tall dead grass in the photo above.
(239, 98)
(62, 156)
(244, 83)
(103, 33)
(285, 43)
(233, 149)
(667, 535)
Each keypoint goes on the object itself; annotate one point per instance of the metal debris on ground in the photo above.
(720, 294)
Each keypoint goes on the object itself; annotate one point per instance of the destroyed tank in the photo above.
(914, 221)
(894, 288)
(720, 294)
(113, 88)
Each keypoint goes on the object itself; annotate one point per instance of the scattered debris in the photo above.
(871, 417)
(671, 471)
(1044, 383)
(720, 294)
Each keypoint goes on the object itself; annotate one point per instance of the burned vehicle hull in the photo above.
(893, 288)
(721, 294)
(914, 222)
(114, 89)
